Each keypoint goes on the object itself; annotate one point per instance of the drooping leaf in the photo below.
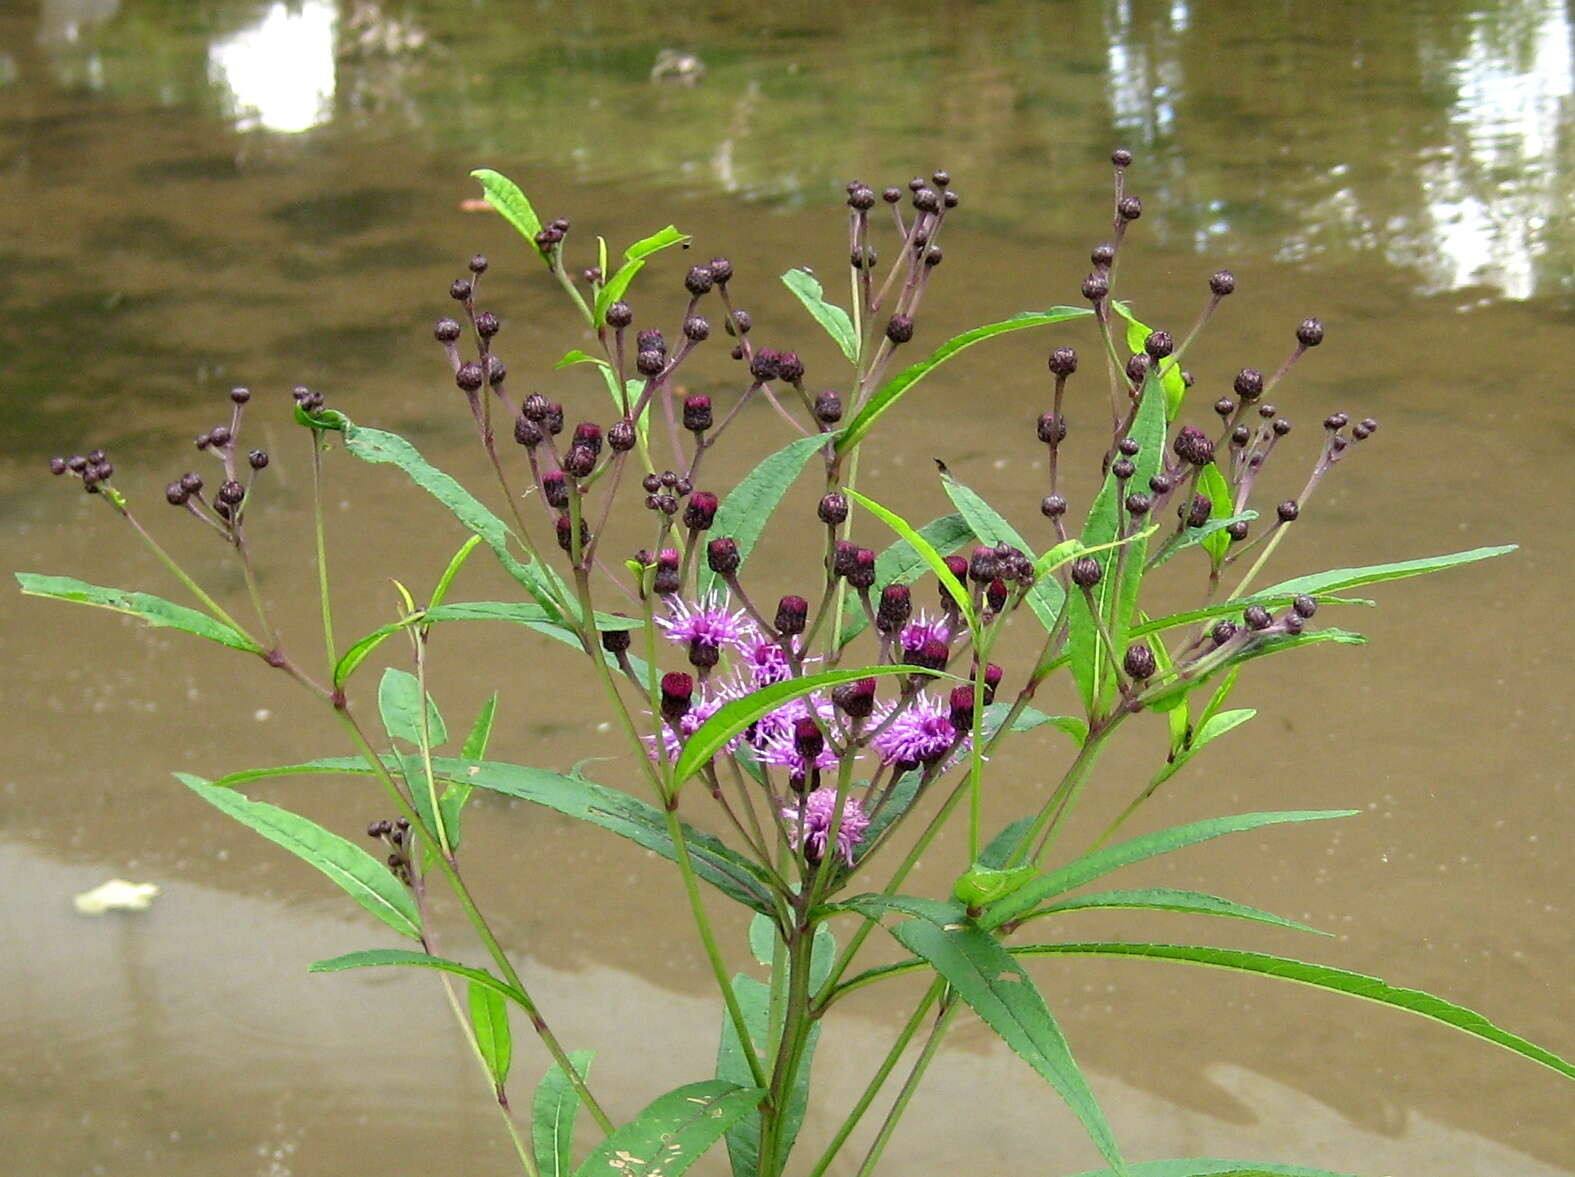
(489, 1021)
(362, 877)
(673, 1131)
(899, 385)
(611, 809)
(1338, 579)
(749, 506)
(409, 958)
(155, 611)
(553, 1111)
(576, 356)
(734, 716)
(900, 563)
(504, 195)
(1169, 899)
(1046, 596)
(399, 702)
(1115, 597)
(926, 551)
(832, 318)
(1101, 862)
(1319, 977)
(995, 987)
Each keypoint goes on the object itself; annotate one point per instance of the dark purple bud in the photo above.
(460, 290)
(703, 653)
(790, 367)
(701, 511)
(1222, 632)
(1138, 503)
(855, 699)
(721, 270)
(1363, 429)
(257, 459)
(962, 707)
(697, 328)
(1222, 282)
(1052, 428)
(1293, 624)
(57, 465)
(565, 529)
(615, 641)
(1240, 435)
(862, 575)
(666, 580)
(1103, 254)
(497, 371)
(721, 555)
(1139, 662)
(1194, 446)
(896, 607)
(1063, 361)
(861, 198)
(983, 566)
(1086, 572)
(995, 595)
(899, 329)
(697, 413)
(1281, 426)
(1256, 617)
(699, 280)
(231, 492)
(931, 656)
(621, 436)
(1129, 447)
(555, 488)
(619, 314)
(833, 509)
(590, 435)
(891, 195)
(844, 555)
(191, 483)
(487, 324)
(527, 432)
(828, 408)
(1309, 333)
(650, 362)
(1304, 606)
(176, 494)
(218, 436)
(1159, 344)
(1160, 484)
(1121, 157)
(678, 691)
(1224, 406)
(792, 616)
(553, 420)
(958, 567)
(1288, 511)
(1053, 506)
(1129, 208)
(927, 200)
(579, 461)
(1095, 287)
(240, 396)
(1123, 469)
(739, 322)
(1237, 531)
(992, 679)
(1249, 384)
(1336, 421)
(1198, 510)
(478, 264)
(765, 364)
(470, 377)
(1137, 367)
(808, 740)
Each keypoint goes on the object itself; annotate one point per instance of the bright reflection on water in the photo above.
(279, 72)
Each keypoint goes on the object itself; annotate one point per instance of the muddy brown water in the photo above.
(210, 194)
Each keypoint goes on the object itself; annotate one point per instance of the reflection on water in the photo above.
(278, 74)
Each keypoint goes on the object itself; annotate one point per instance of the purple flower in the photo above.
(706, 704)
(706, 623)
(921, 630)
(819, 808)
(921, 734)
(774, 737)
(763, 657)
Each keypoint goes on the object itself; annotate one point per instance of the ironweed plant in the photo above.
(830, 738)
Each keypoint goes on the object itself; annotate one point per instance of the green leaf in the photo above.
(576, 356)
(362, 877)
(806, 287)
(943, 913)
(733, 717)
(504, 195)
(1046, 597)
(409, 958)
(899, 385)
(995, 987)
(1216, 726)
(743, 1138)
(1230, 609)
(350, 661)
(399, 702)
(1028, 719)
(1188, 536)
(518, 613)
(917, 542)
(475, 747)
(762, 938)
(634, 262)
(673, 1131)
(1338, 579)
(981, 884)
(376, 446)
(900, 563)
(1090, 664)
(1319, 977)
(749, 506)
(1211, 482)
(1214, 1167)
(1101, 862)
(553, 1111)
(489, 1019)
(1137, 334)
(156, 611)
(1169, 899)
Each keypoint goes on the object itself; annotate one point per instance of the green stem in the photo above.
(322, 551)
(909, 1086)
(192, 586)
(795, 1033)
(526, 1161)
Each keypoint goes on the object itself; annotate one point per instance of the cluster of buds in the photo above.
(93, 468)
(394, 833)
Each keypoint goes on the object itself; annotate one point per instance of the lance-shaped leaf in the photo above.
(504, 195)
(749, 505)
(1046, 596)
(553, 1111)
(937, 563)
(902, 383)
(995, 987)
(832, 318)
(1338, 579)
(399, 702)
(1170, 899)
(145, 607)
(362, 877)
(1319, 976)
(408, 958)
(1101, 862)
(1170, 371)
(733, 717)
(673, 1131)
(489, 1021)
(634, 261)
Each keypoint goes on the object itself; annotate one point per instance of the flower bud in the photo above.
(697, 413)
(703, 653)
(931, 656)
(721, 270)
(861, 198)
(1086, 572)
(722, 556)
(176, 494)
(862, 574)
(1129, 208)
(1288, 511)
(697, 328)
(579, 461)
(1304, 606)
(666, 582)
(678, 691)
(1249, 384)
(459, 291)
(555, 489)
(1095, 287)
(470, 377)
(844, 554)
(1052, 428)
(828, 408)
(1198, 510)
(1281, 427)
(1159, 344)
(1237, 531)
(588, 434)
(790, 367)
(1256, 617)
(527, 432)
(1063, 361)
(257, 459)
(564, 526)
(487, 324)
(992, 679)
(995, 595)
(855, 699)
(983, 565)
(1137, 367)
(1121, 157)
(478, 264)
(701, 511)
(739, 322)
(962, 707)
(808, 740)
(699, 280)
(650, 362)
(1103, 254)
(1053, 506)
(615, 641)
(553, 420)
(1194, 446)
(1139, 662)
(1222, 632)
(765, 364)
(792, 616)
(1138, 503)
(896, 607)
(958, 567)
(1309, 333)
(191, 483)
(621, 436)
(619, 314)
(1222, 282)
(833, 509)
(1123, 469)
(899, 329)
